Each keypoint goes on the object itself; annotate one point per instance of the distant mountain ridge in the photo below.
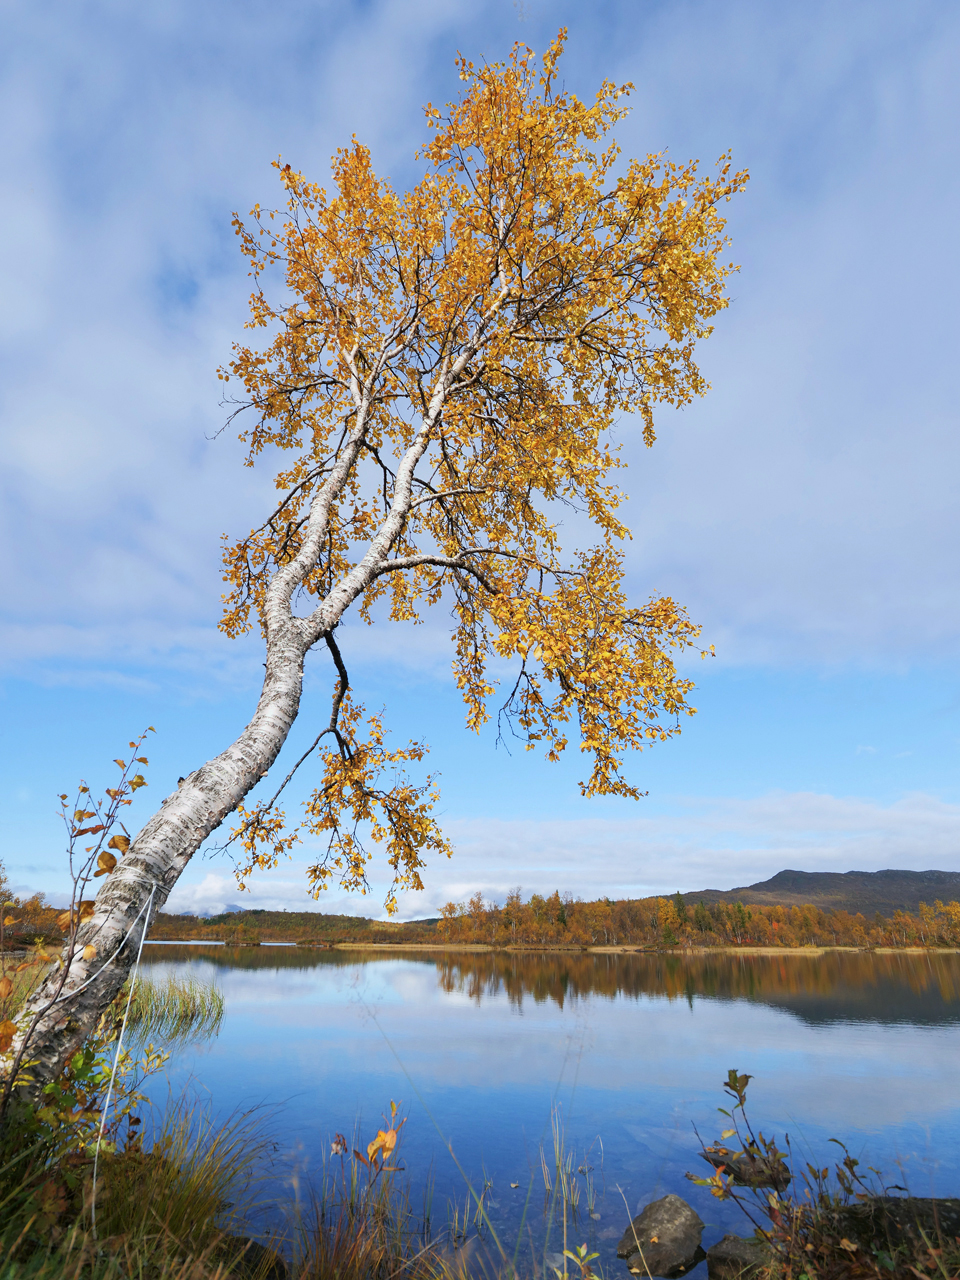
(853, 891)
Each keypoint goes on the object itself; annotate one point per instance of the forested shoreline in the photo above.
(671, 922)
(554, 921)
(558, 921)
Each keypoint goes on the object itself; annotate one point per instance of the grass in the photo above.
(180, 1211)
(164, 1214)
(357, 1229)
(559, 1180)
(167, 1213)
(23, 984)
(175, 1010)
(171, 1011)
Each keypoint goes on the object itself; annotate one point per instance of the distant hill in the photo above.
(853, 891)
(308, 927)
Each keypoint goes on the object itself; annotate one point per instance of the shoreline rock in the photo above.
(892, 1220)
(663, 1240)
(736, 1258)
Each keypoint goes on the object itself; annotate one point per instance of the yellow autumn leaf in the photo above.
(375, 1146)
(106, 863)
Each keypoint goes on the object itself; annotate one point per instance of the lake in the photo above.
(629, 1051)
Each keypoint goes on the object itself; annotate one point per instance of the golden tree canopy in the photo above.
(439, 378)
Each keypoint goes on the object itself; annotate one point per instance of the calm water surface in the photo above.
(631, 1050)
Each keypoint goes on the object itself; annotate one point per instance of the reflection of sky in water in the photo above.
(334, 1043)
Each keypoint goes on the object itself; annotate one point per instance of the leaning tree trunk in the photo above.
(60, 1016)
(62, 1013)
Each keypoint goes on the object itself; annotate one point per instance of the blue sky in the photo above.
(805, 511)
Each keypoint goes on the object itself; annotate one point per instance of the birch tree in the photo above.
(437, 374)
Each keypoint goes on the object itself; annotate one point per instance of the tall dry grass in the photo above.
(178, 1211)
(23, 983)
(354, 1231)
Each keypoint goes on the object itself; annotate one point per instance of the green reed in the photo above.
(175, 1009)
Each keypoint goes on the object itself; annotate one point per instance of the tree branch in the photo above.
(446, 493)
(441, 562)
(343, 684)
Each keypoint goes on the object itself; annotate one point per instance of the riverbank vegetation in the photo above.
(811, 1222)
(174, 1010)
(564, 921)
(671, 922)
(555, 920)
(187, 1204)
(83, 1194)
(167, 1209)
(183, 1202)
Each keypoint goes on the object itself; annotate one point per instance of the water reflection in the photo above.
(922, 989)
(480, 1047)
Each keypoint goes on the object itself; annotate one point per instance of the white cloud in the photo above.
(284, 889)
(702, 844)
(699, 844)
(804, 510)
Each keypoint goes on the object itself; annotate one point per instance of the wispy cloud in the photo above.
(717, 844)
(805, 509)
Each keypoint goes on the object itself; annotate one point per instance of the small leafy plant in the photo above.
(101, 821)
(843, 1225)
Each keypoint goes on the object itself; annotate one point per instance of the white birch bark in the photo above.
(63, 1013)
(154, 862)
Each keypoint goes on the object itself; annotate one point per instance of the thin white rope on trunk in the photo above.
(75, 991)
(116, 1061)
